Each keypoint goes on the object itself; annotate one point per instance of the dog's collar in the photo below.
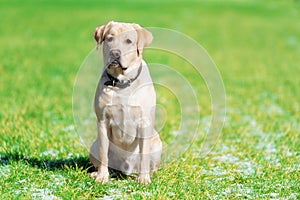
(121, 84)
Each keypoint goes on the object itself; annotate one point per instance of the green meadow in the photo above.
(256, 47)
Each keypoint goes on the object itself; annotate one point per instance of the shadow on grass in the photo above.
(80, 162)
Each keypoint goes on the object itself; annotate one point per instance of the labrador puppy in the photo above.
(124, 104)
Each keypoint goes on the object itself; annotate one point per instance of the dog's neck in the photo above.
(115, 82)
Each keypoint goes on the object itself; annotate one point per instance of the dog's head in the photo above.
(123, 44)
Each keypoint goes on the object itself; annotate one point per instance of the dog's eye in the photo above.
(109, 39)
(128, 41)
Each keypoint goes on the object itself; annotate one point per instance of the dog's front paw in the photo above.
(94, 174)
(102, 177)
(144, 178)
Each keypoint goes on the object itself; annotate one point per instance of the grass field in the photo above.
(256, 46)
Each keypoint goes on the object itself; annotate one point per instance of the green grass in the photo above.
(256, 46)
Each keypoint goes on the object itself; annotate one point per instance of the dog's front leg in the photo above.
(103, 144)
(144, 150)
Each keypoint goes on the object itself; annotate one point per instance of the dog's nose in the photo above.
(116, 53)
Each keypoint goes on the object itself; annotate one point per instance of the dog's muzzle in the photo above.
(115, 56)
(116, 64)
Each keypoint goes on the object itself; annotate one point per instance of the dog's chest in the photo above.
(112, 96)
(124, 122)
(123, 115)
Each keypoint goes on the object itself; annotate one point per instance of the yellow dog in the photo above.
(125, 103)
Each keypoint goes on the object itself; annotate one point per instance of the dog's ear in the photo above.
(144, 37)
(100, 32)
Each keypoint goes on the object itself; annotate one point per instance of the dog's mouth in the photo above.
(116, 64)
